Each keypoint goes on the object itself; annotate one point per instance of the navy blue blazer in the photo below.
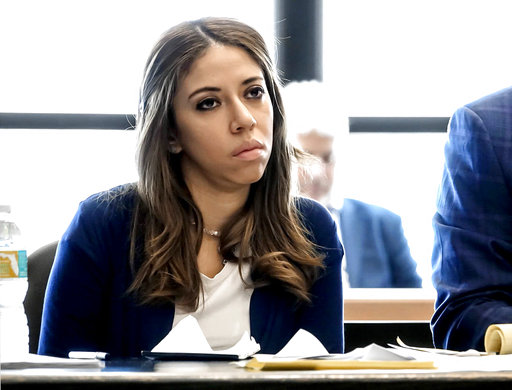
(86, 306)
(376, 250)
(472, 254)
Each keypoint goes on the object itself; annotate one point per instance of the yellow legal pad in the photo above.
(325, 364)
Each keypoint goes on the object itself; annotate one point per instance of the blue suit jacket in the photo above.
(376, 250)
(86, 306)
(472, 255)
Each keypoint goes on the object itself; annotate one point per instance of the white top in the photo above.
(224, 314)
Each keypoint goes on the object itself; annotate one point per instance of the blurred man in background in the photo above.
(377, 252)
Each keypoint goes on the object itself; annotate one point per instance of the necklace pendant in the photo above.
(211, 233)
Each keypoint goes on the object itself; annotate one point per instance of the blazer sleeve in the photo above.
(75, 309)
(472, 254)
(324, 316)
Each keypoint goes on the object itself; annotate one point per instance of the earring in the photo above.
(174, 147)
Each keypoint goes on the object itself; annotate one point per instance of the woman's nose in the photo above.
(242, 118)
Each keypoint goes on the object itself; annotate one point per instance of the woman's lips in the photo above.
(250, 155)
(249, 150)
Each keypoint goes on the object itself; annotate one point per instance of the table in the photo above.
(388, 304)
(144, 374)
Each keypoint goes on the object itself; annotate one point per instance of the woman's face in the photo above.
(224, 120)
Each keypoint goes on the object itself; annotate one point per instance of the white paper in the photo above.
(29, 360)
(469, 352)
(305, 345)
(187, 337)
(456, 363)
(376, 352)
(302, 344)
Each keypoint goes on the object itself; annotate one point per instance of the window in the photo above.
(410, 58)
(382, 58)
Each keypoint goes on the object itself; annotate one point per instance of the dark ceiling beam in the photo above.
(66, 121)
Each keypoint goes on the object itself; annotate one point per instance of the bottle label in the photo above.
(13, 264)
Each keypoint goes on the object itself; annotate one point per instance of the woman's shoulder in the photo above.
(320, 224)
(103, 220)
(113, 204)
(311, 209)
(315, 216)
(114, 198)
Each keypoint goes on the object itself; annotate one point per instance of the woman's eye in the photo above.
(207, 104)
(255, 92)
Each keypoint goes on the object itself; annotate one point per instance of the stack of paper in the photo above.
(457, 361)
(186, 341)
(305, 352)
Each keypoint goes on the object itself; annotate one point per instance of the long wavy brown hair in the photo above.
(167, 225)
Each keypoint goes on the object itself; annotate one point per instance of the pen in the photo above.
(88, 355)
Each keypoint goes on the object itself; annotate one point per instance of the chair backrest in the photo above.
(39, 265)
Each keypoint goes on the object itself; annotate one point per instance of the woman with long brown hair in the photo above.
(211, 228)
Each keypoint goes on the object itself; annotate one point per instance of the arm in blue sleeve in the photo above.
(472, 254)
(324, 317)
(74, 302)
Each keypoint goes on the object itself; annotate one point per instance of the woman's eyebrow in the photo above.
(252, 79)
(204, 89)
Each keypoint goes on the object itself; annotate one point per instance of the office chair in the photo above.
(39, 265)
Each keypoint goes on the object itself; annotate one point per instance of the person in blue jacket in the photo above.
(211, 228)
(472, 254)
(376, 250)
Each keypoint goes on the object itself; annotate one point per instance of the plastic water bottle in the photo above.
(13, 287)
